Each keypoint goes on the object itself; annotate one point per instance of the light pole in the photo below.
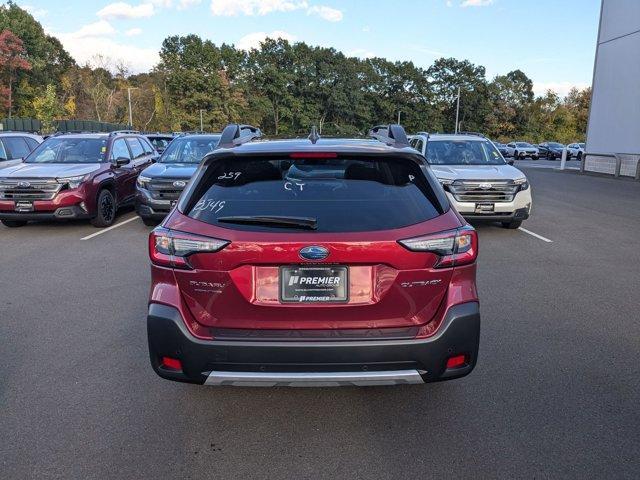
(130, 111)
(458, 109)
(201, 129)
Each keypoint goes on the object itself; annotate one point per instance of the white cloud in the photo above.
(360, 53)
(476, 3)
(98, 38)
(253, 40)
(232, 8)
(184, 4)
(132, 32)
(561, 88)
(327, 13)
(126, 10)
(100, 28)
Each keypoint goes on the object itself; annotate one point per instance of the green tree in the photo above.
(48, 108)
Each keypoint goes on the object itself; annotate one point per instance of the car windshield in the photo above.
(69, 150)
(189, 150)
(326, 195)
(160, 143)
(523, 144)
(463, 152)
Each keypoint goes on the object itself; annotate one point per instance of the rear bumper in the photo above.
(349, 362)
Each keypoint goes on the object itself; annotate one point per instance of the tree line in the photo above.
(282, 87)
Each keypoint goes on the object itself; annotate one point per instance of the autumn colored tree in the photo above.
(12, 60)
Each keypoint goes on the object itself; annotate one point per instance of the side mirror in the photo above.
(511, 162)
(121, 161)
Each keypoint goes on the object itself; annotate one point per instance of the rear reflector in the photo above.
(172, 363)
(457, 361)
(314, 155)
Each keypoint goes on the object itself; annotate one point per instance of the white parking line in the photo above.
(544, 239)
(105, 230)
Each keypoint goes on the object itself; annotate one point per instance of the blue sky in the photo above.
(551, 41)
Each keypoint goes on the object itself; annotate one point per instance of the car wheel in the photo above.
(535, 157)
(579, 157)
(106, 206)
(512, 225)
(515, 154)
(14, 223)
(149, 222)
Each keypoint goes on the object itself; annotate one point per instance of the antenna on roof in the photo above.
(314, 136)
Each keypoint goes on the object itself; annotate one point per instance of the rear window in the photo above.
(339, 195)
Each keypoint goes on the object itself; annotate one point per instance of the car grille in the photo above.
(483, 191)
(164, 188)
(25, 189)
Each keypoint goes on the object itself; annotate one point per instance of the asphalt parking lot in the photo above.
(555, 393)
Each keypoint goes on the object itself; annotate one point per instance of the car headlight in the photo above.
(143, 181)
(522, 183)
(444, 182)
(72, 182)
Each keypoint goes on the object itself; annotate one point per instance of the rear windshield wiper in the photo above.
(308, 223)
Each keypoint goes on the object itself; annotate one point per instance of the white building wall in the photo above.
(614, 118)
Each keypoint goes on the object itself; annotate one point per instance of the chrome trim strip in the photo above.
(313, 379)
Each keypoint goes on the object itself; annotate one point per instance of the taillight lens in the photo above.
(454, 247)
(170, 248)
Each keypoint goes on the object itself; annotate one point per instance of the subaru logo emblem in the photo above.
(24, 184)
(180, 184)
(485, 186)
(314, 252)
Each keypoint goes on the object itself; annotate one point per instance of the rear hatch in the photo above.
(313, 244)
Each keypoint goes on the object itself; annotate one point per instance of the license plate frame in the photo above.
(485, 207)
(23, 206)
(293, 291)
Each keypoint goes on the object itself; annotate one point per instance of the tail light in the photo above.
(454, 247)
(170, 248)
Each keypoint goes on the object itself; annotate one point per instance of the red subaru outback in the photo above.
(313, 262)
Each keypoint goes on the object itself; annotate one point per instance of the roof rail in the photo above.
(122, 132)
(235, 134)
(393, 135)
(477, 134)
(314, 136)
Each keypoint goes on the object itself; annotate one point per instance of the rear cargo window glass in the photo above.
(340, 195)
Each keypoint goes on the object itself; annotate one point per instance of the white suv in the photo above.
(575, 150)
(478, 181)
(522, 150)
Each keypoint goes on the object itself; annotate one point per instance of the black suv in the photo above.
(160, 185)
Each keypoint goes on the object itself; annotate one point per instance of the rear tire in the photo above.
(512, 225)
(535, 157)
(515, 155)
(106, 206)
(149, 222)
(579, 157)
(14, 223)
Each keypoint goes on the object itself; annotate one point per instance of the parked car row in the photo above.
(92, 175)
(548, 150)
